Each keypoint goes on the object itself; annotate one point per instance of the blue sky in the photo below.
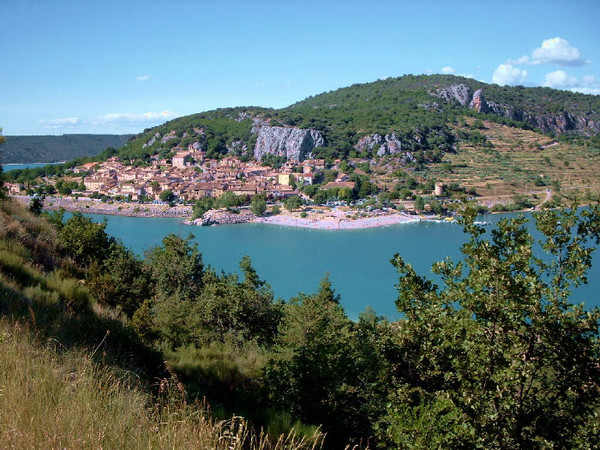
(121, 66)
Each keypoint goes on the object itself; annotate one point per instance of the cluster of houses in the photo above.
(190, 176)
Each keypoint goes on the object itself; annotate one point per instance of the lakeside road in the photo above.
(92, 206)
(333, 220)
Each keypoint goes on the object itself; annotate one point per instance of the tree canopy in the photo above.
(498, 357)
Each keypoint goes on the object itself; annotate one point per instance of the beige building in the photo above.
(284, 179)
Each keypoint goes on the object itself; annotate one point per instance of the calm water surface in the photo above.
(294, 260)
(9, 167)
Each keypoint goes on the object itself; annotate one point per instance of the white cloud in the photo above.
(519, 61)
(559, 79)
(134, 118)
(143, 78)
(109, 123)
(557, 51)
(68, 122)
(507, 74)
(562, 80)
(448, 69)
(586, 90)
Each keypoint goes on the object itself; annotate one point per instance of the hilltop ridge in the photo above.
(414, 113)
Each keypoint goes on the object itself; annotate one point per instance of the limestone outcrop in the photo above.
(293, 143)
(559, 123)
(223, 217)
(459, 92)
(389, 144)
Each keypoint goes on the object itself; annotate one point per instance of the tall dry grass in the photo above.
(76, 378)
(55, 399)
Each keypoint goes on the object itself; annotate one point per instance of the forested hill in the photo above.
(47, 149)
(412, 113)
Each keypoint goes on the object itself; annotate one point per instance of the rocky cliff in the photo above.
(560, 123)
(293, 143)
(459, 92)
(222, 217)
(389, 144)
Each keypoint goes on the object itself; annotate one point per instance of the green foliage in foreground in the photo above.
(72, 375)
(498, 357)
(54, 398)
(494, 356)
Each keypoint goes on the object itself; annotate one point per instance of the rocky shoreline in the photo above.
(222, 217)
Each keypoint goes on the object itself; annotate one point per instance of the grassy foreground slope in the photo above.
(73, 376)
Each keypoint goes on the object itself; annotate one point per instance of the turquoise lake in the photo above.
(294, 260)
(9, 167)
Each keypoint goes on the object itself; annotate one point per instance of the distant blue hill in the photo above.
(48, 149)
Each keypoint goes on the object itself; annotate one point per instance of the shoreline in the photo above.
(28, 163)
(91, 206)
(335, 220)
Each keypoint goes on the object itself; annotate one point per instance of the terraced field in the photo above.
(522, 162)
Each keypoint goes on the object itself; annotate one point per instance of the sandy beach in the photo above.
(337, 221)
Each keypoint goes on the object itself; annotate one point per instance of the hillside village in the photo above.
(189, 176)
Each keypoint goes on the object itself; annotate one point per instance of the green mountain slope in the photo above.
(417, 110)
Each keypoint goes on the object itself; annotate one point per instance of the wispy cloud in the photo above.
(134, 118)
(556, 51)
(448, 70)
(60, 123)
(109, 123)
(143, 78)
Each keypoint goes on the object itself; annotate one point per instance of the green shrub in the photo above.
(73, 296)
(41, 295)
(14, 267)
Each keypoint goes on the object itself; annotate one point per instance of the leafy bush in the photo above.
(72, 295)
